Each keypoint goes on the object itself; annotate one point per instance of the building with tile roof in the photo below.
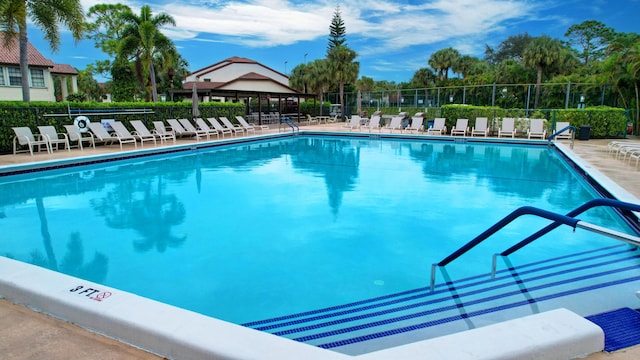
(239, 79)
(42, 73)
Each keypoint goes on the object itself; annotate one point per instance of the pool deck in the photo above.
(26, 334)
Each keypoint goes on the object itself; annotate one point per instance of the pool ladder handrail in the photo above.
(288, 121)
(558, 219)
(573, 134)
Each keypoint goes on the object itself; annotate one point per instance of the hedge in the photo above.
(605, 122)
(34, 114)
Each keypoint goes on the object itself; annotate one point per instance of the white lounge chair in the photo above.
(24, 137)
(103, 135)
(187, 125)
(461, 127)
(221, 129)
(202, 125)
(507, 128)
(354, 123)
(417, 123)
(627, 150)
(80, 137)
(439, 127)
(247, 127)
(394, 124)
(161, 130)
(178, 129)
(229, 125)
(311, 120)
(246, 124)
(142, 132)
(635, 155)
(536, 129)
(567, 134)
(53, 137)
(374, 123)
(123, 133)
(480, 128)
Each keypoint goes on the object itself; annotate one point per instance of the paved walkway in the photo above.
(25, 334)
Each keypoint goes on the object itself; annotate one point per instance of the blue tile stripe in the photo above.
(471, 314)
(446, 291)
(444, 299)
(450, 307)
(426, 289)
(621, 328)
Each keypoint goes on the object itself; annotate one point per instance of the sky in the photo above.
(393, 39)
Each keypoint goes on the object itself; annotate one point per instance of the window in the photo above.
(2, 82)
(15, 77)
(37, 78)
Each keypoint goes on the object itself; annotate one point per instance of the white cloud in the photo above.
(387, 25)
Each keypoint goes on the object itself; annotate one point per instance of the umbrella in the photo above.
(194, 99)
(359, 102)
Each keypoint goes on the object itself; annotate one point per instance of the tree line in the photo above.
(590, 53)
(142, 61)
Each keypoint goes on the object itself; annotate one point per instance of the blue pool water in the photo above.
(272, 228)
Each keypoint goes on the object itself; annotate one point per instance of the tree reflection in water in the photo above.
(73, 263)
(151, 215)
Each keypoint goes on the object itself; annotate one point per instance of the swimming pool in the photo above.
(302, 223)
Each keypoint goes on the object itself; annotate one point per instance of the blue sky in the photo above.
(393, 39)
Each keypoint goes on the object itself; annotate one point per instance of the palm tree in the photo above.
(623, 65)
(343, 68)
(540, 54)
(47, 15)
(143, 40)
(298, 78)
(424, 77)
(464, 65)
(319, 78)
(171, 66)
(443, 60)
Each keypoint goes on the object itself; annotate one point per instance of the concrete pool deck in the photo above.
(25, 334)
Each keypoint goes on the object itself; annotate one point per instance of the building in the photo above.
(240, 79)
(42, 73)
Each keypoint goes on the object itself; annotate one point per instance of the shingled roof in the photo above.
(10, 55)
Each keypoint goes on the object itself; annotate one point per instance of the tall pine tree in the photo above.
(337, 31)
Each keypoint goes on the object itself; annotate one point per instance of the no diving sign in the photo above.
(91, 293)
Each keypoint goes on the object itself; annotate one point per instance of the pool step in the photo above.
(459, 305)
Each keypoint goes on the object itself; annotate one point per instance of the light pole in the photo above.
(504, 97)
(581, 104)
(305, 58)
(285, 67)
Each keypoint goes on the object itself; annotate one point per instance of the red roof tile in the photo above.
(11, 54)
(64, 69)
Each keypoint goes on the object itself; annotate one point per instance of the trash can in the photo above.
(584, 132)
(429, 124)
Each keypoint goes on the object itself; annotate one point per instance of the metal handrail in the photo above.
(288, 121)
(558, 220)
(573, 134)
(575, 212)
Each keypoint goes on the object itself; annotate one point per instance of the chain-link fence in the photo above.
(520, 96)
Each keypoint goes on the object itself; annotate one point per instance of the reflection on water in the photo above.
(287, 215)
(143, 204)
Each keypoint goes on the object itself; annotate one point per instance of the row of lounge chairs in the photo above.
(536, 128)
(49, 139)
(625, 151)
